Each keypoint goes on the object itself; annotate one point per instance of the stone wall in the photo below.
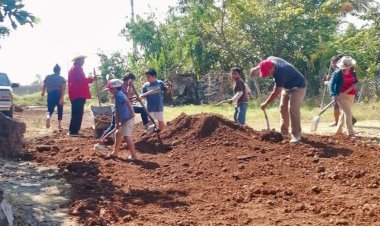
(215, 87)
(184, 89)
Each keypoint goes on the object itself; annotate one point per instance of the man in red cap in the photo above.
(292, 86)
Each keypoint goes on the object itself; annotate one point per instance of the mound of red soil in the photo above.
(211, 171)
(190, 130)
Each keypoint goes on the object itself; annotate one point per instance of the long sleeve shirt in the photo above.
(78, 84)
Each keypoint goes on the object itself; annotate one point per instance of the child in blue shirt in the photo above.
(124, 119)
(155, 102)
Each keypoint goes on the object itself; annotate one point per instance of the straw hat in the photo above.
(346, 62)
(78, 57)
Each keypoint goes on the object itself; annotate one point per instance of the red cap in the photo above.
(265, 67)
(108, 86)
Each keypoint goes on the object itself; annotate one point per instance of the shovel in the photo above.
(259, 95)
(317, 118)
(146, 111)
(97, 88)
(266, 119)
(324, 90)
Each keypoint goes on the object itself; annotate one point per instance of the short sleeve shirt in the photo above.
(286, 75)
(155, 102)
(54, 82)
(240, 87)
(121, 107)
(348, 81)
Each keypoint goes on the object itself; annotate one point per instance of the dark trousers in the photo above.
(144, 116)
(77, 109)
(53, 98)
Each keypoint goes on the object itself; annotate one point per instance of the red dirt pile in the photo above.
(190, 130)
(204, 129)
(214, 172)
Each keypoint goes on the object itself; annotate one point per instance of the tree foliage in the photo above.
(203, 35)
(112, 66)
(12, 13)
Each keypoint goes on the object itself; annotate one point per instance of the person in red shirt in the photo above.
(79, 91)
(342, 89)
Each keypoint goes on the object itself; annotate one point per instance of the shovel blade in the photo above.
(314, 124)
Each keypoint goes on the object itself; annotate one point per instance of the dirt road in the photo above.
(209, 171)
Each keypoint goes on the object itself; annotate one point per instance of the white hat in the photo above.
(346, 62)
(79, 56)
(114, 83)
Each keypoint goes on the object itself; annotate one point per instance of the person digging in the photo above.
(292, 86)
(124, 120)
(241, 97)
(333, 64)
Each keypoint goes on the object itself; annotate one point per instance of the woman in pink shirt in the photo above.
(342, 89)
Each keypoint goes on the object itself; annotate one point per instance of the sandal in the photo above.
(353, 137)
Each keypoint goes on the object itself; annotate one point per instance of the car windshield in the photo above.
(4, 81)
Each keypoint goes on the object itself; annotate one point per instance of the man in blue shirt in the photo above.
(292, 86)
(124, 119)
(155, 102)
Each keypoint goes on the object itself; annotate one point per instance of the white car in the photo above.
(6, 95)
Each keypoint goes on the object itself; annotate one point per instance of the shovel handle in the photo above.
(266, 119)
(324, 109)
(221, 102)
(97, 88)
(143, 106)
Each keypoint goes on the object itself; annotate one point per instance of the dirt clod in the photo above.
(272, 136)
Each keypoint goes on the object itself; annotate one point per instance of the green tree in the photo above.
(203, 35)
(11, 12)
(114, 65)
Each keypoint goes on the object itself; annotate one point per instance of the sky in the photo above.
(68, 28)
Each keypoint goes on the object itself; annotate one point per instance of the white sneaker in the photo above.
(100, 147)
(295, 138)
(150, 129)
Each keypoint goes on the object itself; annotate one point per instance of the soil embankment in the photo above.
(209, 170)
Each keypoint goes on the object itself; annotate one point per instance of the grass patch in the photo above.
(34, 99)
(362, 111)
(368, 111)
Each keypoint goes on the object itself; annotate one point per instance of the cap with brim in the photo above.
(78, 57)
(346, 62)
(115, 83)
(265, 67)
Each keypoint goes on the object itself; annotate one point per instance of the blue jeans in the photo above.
(53, 98)
(144, 116)
(240, 112)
